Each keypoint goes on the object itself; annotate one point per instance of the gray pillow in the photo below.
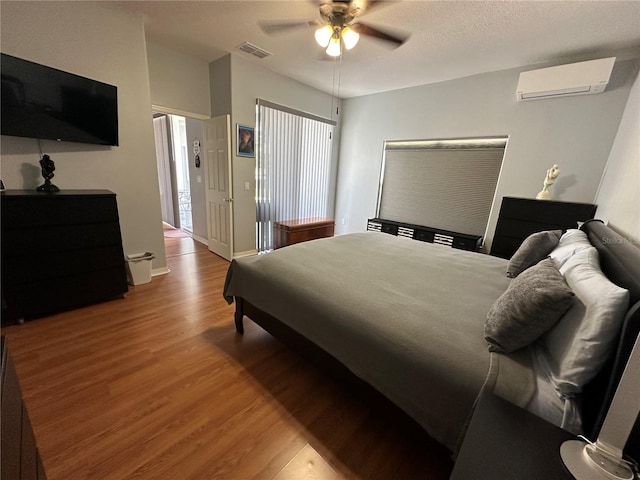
(533, 249)
(531, 305)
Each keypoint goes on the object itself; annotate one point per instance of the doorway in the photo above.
(173, 170)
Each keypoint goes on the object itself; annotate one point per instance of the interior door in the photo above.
(164, 159)
(217, 150)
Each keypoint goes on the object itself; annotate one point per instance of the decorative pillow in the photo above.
(534, 301)
(571, 242)
(582, 340)
(533, 249)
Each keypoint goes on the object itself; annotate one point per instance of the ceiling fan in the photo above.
(339, 27)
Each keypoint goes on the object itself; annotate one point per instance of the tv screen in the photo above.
(43, 102)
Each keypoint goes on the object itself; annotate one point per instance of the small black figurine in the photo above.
(48, 167)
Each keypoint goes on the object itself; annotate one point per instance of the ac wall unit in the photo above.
(582, 78)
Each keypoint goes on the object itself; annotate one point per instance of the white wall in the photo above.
(180, 85)
(574, 132)
(179, 82)
(197, 181)
(220, 75)
(618, 198)
(89, 39)
(232, 86)
(249, 82)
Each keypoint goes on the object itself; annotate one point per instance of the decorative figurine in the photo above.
(552, 174)
(48, 167)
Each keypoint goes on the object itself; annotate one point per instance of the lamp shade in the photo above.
(323, 35)
(350, 37)
(333, 50)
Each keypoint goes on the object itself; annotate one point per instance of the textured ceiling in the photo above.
(448, 39)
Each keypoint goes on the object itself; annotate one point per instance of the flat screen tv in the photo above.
(46, 103)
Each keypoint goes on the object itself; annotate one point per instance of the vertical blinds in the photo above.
(446, 184)
(293, 168)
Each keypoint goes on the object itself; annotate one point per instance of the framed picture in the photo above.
(245, 140)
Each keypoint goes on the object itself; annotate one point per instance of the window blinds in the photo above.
(293, 168)
(446, 184)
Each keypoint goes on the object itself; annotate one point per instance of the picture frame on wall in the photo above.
(245, 141)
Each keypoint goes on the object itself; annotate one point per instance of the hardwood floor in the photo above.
(158, 385)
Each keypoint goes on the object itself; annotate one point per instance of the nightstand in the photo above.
(520, 217)
(506, 442)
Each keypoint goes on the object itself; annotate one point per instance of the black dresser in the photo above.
(520, 217)
(426, 234)
(59, 251)
(19, 454)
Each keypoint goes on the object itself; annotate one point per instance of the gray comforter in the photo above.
(405, 316)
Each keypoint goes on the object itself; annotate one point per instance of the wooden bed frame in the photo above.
(620, 261)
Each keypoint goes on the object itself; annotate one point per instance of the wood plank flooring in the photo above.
(158, 385)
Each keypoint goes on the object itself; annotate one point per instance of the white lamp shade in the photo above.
(333, 50)
(350, 37)
(323, 35)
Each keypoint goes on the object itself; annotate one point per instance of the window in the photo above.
(445, 184)
(293, 168)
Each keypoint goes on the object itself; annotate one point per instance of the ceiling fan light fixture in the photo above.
(350, 37)
(333, 49)
(323, 35)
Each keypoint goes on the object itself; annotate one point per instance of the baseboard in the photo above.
(248, 253)
(160, 271)
(200, 239)
(205, 242)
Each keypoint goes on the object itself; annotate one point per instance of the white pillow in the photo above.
(580, 343)
(571, 242)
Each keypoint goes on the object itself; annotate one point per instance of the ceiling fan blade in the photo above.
(274, 28)
(356, 7)
(367, 5)
(397, 39)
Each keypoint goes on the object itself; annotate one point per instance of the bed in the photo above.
(409, 319)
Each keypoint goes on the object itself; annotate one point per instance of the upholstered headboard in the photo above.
(620, 261)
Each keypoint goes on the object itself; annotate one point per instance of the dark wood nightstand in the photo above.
(19, 455)
(520, 217)
(505, 442)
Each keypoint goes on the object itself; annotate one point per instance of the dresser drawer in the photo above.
(26, 241)
(39, 211)
(39, 266)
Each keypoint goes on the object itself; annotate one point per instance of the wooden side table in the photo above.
(507, 442)
(295, 231)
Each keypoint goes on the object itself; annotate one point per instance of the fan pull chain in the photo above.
(335, 87)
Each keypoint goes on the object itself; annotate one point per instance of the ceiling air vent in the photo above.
(253, 50)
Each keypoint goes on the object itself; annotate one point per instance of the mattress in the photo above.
(405, 316)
